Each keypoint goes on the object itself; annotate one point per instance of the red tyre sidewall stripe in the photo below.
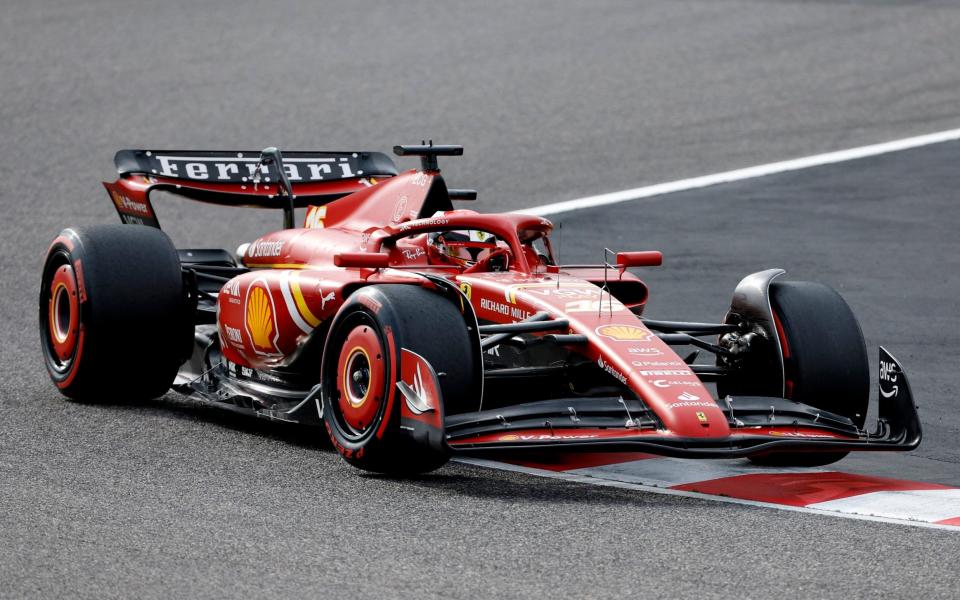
(63, 285)
(76, 360)
(785, 351)
(69, 243)
(391, 349)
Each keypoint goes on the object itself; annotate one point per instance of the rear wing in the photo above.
(240, 178)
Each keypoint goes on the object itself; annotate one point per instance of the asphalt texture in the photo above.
(552, 101)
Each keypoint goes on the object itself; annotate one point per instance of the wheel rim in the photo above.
(361, 374)
(63, 316)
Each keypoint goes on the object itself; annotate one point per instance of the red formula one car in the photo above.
(413, 331)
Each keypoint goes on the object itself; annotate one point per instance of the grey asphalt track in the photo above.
(552, 101)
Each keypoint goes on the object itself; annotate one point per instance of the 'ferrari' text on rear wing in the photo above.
(238, 178)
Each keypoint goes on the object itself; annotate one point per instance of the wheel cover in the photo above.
(63, 314)
(360, 379)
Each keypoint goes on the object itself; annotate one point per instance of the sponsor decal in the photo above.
(239, 167)
(233, 334)
(260, 318)
(691, 404)
(231, 288)
(566, 292)
(611, 370)
(126, 205)
(797, 434)
(646, 351)
(513, 437)
(658, 363)
(370, 303)
(413, 253)
(398, 210)
(563, 290)
(624, 333)
(324, 298)
(467, 290)
(364, 240)
(315, 217)
(888, 374)
(265, 248)
(506, 310)
(595, 306)
(420, 179)
(667, 372)
(665, 383)
(423, 223)
(688, 400)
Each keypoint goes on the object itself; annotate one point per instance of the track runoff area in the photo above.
(818, 491)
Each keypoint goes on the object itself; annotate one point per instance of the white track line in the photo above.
(795, 164)
(566, 476)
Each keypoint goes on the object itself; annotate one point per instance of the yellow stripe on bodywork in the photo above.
(301, 303)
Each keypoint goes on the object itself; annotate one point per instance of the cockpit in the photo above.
(475, 250)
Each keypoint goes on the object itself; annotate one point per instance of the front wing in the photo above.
(759, 425)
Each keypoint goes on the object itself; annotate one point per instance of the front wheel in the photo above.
(824, 360)
(361, 368)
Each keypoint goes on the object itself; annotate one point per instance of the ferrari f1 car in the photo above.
(412, 331)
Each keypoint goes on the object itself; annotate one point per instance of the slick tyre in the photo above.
(113, 322)
(825, 359)
(360, 370)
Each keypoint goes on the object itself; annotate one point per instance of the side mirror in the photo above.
(362, 260)
(647, 258)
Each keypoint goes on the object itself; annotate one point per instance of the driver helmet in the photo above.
(460, 247)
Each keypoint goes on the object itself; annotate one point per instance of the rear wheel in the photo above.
(361, 364)
(824, 357)
(113, 322)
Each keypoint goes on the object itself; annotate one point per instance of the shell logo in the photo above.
(260, 319)
(624, 333)
(510, 437)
